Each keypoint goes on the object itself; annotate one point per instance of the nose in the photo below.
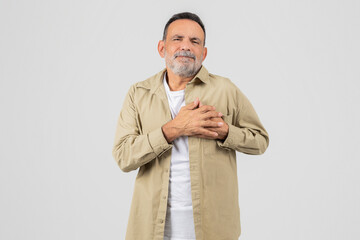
(185, 45)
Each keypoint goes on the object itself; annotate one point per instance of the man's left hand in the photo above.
(222, 131)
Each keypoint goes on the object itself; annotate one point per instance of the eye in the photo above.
(176, 39)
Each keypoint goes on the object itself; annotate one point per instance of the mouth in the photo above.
(185, 57)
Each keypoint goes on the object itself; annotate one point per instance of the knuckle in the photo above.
(205, 107)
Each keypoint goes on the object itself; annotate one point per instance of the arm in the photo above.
(132, 149)
(247, 134)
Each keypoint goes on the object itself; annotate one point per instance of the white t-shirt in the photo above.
(179, 223)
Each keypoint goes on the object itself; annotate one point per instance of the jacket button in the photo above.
(161, 221)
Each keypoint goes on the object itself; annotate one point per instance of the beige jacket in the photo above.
(140, 144)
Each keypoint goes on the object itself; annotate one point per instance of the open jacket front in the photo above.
(140, 143)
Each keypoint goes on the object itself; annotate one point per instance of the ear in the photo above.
(205, 53)
(161, 48)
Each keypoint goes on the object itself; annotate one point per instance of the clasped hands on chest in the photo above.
(196, 119)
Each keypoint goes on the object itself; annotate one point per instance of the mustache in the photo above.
(184, 54)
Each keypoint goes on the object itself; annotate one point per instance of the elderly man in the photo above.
(182, 128)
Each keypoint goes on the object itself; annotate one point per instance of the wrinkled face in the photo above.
(183, 48)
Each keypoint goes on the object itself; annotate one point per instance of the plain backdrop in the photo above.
(65, 67)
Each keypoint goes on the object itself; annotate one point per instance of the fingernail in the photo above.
(220, 123)
(220, 114)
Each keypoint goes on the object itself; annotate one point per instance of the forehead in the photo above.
(185, 27)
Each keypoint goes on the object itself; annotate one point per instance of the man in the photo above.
(181, 128)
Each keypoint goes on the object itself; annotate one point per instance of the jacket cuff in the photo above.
(158, 142)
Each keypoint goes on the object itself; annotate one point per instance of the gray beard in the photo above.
(183, 68)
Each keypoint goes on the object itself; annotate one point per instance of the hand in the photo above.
(222, 131)
(193, 120)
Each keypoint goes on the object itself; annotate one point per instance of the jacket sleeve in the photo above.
(246, 133)
(132, 149)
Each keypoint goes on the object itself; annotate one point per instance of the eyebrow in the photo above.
(195, 38)
(180, 36)
(177, 36)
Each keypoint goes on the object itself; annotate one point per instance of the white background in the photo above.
(65, 67)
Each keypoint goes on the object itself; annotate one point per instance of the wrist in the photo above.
(170, 132)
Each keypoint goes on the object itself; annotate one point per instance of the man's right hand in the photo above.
(192, 119)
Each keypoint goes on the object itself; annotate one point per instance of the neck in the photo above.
(176, 82)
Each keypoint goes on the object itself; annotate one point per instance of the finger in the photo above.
(205, 108)
(209, 123)
(218, 130)
(217, 119)
(209, 133)
(211, 114)
(194, 104)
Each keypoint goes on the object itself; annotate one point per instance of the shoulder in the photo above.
(220, 80)
(150, 82)
(223, 83)
(229, 89)
(141, 90)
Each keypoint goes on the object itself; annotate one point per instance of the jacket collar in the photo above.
(154, 82)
